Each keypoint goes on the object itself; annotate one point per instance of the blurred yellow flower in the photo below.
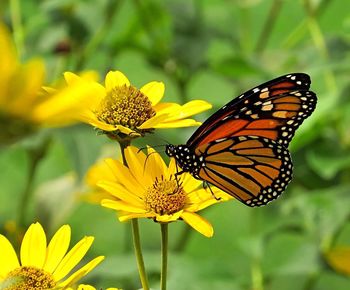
(149, 188)
(98, 171)
(89, 287)
(21, 95)
(118, 108)
(43, 266)
(339, 259)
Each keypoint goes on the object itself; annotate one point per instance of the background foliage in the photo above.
(211, 50)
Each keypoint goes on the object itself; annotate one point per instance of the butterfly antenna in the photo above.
(155, 146)
(148, 155)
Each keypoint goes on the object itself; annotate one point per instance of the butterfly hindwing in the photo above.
(273, 110)
(253, 169)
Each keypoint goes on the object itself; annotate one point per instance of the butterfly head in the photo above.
(185, 158)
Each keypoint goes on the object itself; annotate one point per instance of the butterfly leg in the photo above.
(207, 185)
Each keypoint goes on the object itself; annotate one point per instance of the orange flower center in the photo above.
(29, 278)
(165, 197)
(126, 106)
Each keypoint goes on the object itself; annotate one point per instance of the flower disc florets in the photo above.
(126, 106)
(165, 197)
(29, 278)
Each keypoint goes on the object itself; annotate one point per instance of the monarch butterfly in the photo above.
(242, 148)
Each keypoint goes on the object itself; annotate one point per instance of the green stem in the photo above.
(92, 46)
(34, 158)
(299, 31)
(135, 231)
(15, 8)
(269, 24)
(163, 274)
(257, 276)
(138, 254)
(320, 44)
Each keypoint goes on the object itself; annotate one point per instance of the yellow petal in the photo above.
(198, 223)
(136, 161)
(57, 248)
(8, 257)
(125, 217)
(8, 63)
(90, 118)
(169, 218)
(193, 108)
(23, 98)
(99, 171)
(122, 206)
(124, 176)
(152, 122)
(177, 124)
(190, 183)
(72, 78)
(154, 91)
(121, 193)
(33, 248)
(76, 276)
(154, 164)
(73, 258)
(70, 103)
(115, 79)
(339, 259)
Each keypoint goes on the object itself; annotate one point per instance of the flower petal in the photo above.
(166, 218)
(121, 205)
(181, 112)
(124, 176)
(8, 257)
(339, 259)
(120, 192)
(177, 124)
(76, 276)
(115, 79)
(33, 248)
(73, 258)
(125, 217)
(155, 164)
(150, 123)
(136, 162)
(57, 248)
(154, 91)
(198, 223)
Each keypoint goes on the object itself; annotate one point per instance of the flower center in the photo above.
(165, 197)
(29, 278)
(126, 106)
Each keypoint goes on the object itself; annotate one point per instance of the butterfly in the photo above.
(242, 148)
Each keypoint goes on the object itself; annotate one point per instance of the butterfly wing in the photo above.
(273, 110)
(253, 169)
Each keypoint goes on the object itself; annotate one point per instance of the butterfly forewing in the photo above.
(253, 169)
(273, 110)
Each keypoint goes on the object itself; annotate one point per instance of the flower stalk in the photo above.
(35, 156)
(164, 270)
(136, 232)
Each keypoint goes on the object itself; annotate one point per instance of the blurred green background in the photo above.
(212, 50)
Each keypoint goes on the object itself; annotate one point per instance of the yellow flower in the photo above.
(120, 108)
(339, 259)
(88, 287)
(21, 95)
(43, 266)
(149, 188)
